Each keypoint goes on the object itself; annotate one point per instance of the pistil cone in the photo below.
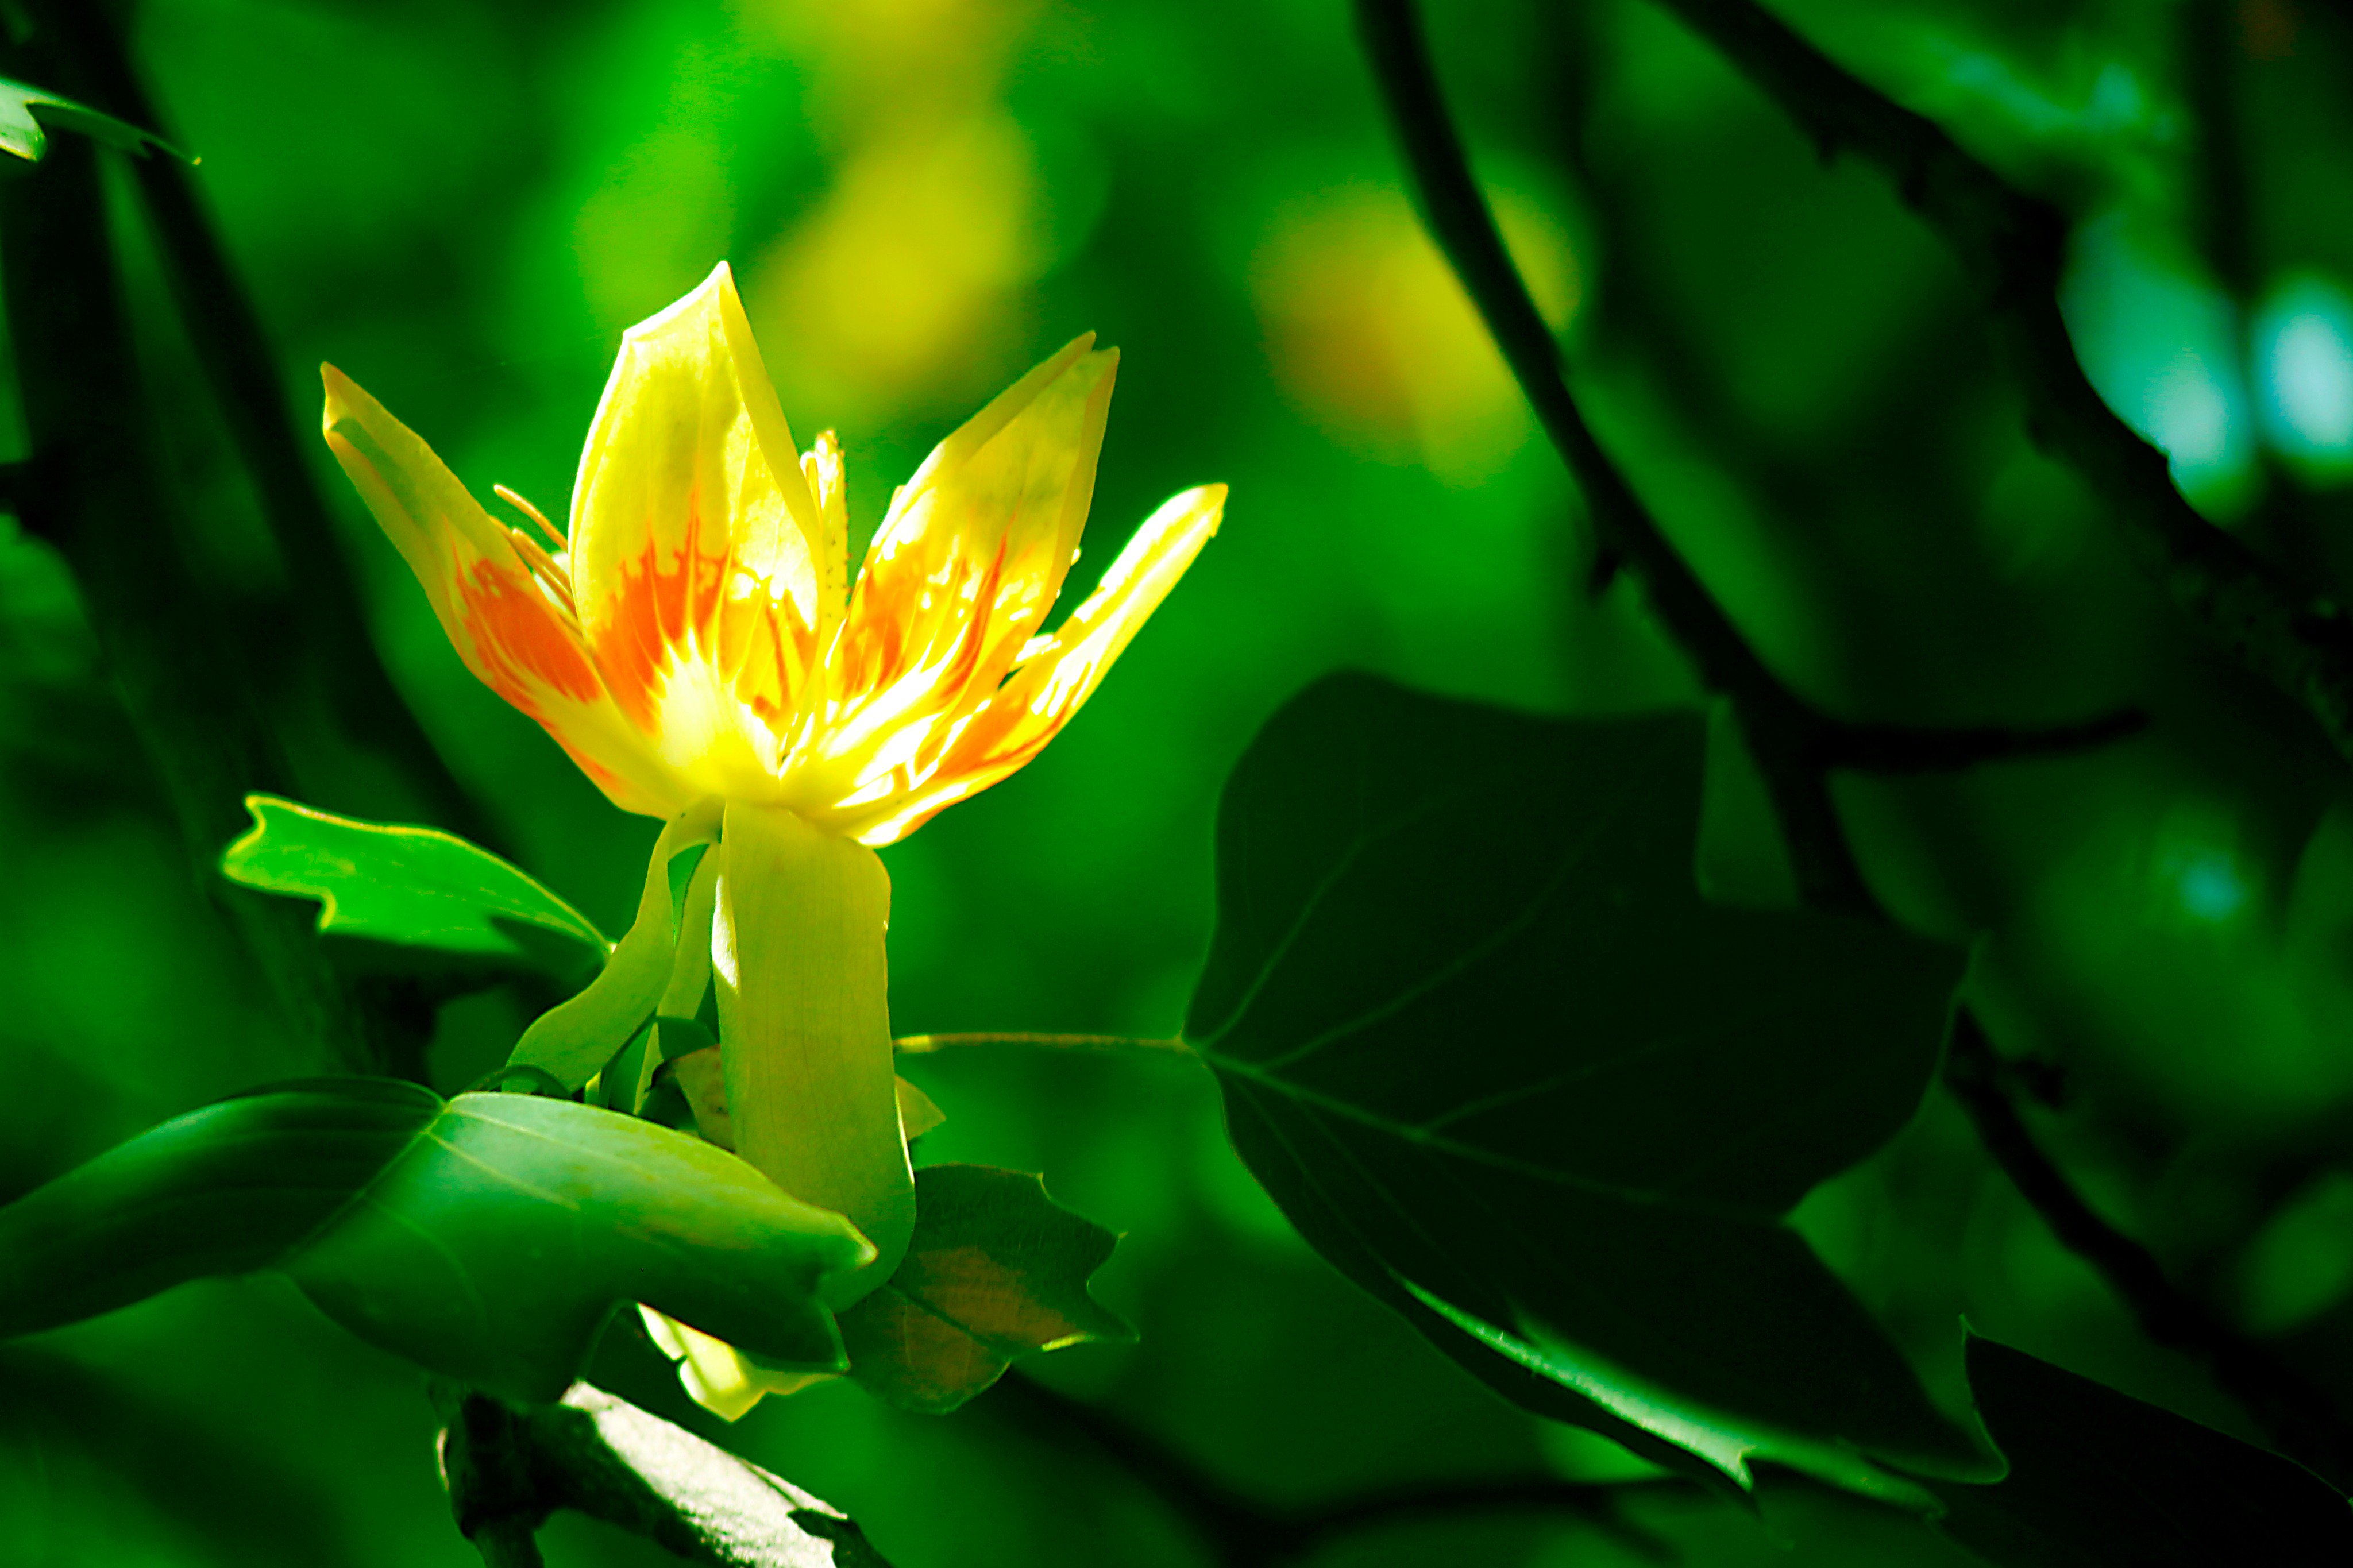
(804, 1010)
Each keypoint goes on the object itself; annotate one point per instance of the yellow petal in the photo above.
(703, 1079)
(1061, 672)
(805, 1026)
(512, 627)
(707, 586)
(965, 565)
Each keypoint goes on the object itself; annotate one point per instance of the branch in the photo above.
(1911, 749)
(1242, 1532)
(91, 489)
(2013, 245)
(233, 348)
(1779, 726)
(2301, 1421)
(2016, 243)
(510, 1466)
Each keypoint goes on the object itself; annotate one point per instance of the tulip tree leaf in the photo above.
(1480, 1037)
(411, 887)
(21, 131)
(486, 1238)
(2099, 1479)
(997, 1271)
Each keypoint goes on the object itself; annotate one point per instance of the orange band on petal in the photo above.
(520, 643)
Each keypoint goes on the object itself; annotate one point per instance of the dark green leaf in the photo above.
(486, 1238)
(2099, 1479)
(21, 128)
(1482, 1041)
(997, 1271)
(411, 887)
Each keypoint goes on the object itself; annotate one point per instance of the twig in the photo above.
(2017, 240)
(1244, 1533)
(91, 490)
(2301, 1420)
(1910, 748)
(2012, 245)
(1779, 727)
(922, 1045)
(233, 348)
(510, 1466)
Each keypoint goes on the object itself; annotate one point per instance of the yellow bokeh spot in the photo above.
(1370, 330)
(902, 291)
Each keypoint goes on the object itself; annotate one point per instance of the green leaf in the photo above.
(21, 129)
(412, 888)
(997, 1271)
(2099, 1479)
(1482, 1040)
(486, 1238)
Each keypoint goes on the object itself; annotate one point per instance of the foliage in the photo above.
(487, 1238)
(1484, 1043)
(23, 110)
(1841, 832)
(997, 1269)
(2099, 1477)
(410, 887)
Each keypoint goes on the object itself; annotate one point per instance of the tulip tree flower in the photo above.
(693, 641)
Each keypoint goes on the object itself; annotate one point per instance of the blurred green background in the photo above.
(462, 205)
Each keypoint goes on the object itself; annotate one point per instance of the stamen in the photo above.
(542, 566)
(532, 512)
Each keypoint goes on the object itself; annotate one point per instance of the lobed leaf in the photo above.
(22, 133)
(997, 1271)
(1480, 1037)
(487, 1238)
(2099, 1479)
(412, 888)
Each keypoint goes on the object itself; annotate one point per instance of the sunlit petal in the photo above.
(805, 1022)
(717, 1376)
(705, 586)
(1061, 671)
(970, 555)
(513, 624)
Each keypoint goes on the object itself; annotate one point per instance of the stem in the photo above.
(2013, 247)
(1778, 726)
(922, 1045)
(2301, 1421)
(1242, 1532)
(2014, 244)
(233, 348)
(1908, 749)
(93, 490)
